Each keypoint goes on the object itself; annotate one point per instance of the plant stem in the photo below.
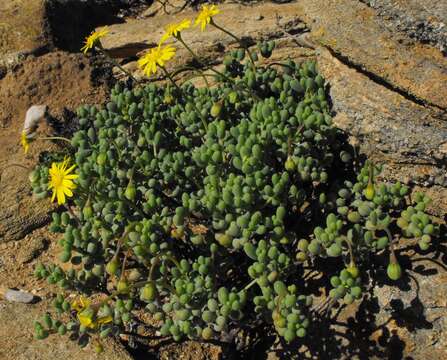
(250, 284)
(238, 40)
(213, 70)
(392, 253)
(170, 78)
(198, 60)
(174, 261)
(54, 138)
(351, 253)
(124, 263)
(281, 64)
(114, 62)
(122, 238)
(73, 215)
(205, 125)
(371, 174)
(153, 266)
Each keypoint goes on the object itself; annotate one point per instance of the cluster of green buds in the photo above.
(416, 223)
(346, 286)
(39, 181)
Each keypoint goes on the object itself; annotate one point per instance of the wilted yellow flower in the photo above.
(205, 15)
(24, 141)
(80, 304)
(61, 181)
(88, 319)
(93, 39)
(86, 315)
(155, 56)
(174, 29)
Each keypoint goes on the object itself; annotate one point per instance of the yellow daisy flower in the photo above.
(24, 141)
(61, 181)
(93, 39)
(155, 56)
(174, 29)
(205, 15)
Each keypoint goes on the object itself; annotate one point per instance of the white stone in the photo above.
(18, 296)
(33, 116)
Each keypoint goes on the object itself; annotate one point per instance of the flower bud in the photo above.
(113, 266)
(123, 286)
(353, 270)
(216, 109)
(369, 192)
(394, 271)
(148, 292)
(290, 164)
(130, 192)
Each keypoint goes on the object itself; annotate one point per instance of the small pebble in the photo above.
(18, 296)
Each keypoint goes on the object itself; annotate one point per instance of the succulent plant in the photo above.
(203, 205)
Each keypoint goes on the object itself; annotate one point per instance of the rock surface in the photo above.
(423, 20)
(409, 139)
(415, 310)
(354, 31)
(251, 22)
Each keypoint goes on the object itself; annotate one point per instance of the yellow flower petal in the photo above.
(104, 320)
(60, 196)
(24, 141)
(71, 176)
(68, 183)
(67, 192)
(85, 320)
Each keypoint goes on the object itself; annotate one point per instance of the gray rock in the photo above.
(18, 296)
(423, 20)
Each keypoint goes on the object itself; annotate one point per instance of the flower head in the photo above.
(87, 315)
(24, 141)
(93, 39)
(61, 181)
(175, 29)
(156, 56)
(205, 15)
